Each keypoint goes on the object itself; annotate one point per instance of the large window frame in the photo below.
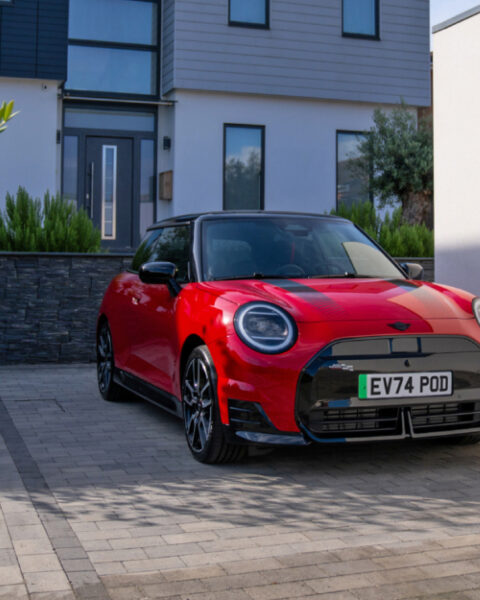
(248, 24)
(262, 159)
(338, 133)
(365, 36)
(155, 49)
(81, 134)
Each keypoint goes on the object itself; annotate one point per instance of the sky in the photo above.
(441, 10)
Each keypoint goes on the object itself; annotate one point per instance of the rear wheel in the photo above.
(203, 426)
(109, 390)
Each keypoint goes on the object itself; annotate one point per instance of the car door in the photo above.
(155, 347)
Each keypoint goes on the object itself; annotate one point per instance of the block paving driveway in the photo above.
(103, 501)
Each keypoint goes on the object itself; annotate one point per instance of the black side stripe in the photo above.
(307, 293)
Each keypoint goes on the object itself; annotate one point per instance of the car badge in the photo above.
(400, 326)
(341, 367)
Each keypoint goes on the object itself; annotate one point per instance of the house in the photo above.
(456, 49)
(141, 109)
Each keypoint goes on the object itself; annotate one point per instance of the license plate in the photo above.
(405, 385)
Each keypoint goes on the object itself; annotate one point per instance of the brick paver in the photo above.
(103, 500)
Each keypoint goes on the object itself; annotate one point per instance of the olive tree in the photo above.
(397, 157)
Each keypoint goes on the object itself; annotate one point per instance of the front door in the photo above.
(109, 189)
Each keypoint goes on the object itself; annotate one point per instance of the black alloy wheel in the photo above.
(203, 426)
(105, 366)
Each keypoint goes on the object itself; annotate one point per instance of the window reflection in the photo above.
(243, 169)
(111, 70)
(352, 184)
(253, 12)
(125, 21)
(360, 17)
(90, 118)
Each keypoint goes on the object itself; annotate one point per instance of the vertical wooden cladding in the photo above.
(33, 39)
(304, 54)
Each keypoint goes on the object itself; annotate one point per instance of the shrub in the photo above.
(28, 225)
(395, 236)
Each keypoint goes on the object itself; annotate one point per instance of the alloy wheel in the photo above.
(104, 359)
(198, 404)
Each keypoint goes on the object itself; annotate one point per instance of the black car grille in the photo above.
(428, 418)
(354, 422)
(248, 416)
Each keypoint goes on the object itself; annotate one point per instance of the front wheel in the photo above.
(203, 426)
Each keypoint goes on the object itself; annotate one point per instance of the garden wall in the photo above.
(49, 304)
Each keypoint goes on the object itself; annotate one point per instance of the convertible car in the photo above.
(281, 328)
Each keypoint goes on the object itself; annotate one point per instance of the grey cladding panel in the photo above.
(303, 53)
(33, 39)
(168, 43)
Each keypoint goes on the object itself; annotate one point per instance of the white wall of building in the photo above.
(28, 150)
(300, 148)
(456, 53)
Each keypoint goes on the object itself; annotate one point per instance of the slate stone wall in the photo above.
(49, 304)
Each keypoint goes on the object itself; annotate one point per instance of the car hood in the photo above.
(316, 300)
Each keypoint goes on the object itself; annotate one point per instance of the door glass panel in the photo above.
(352, 186)
(70, 168)
(125, 21)
(109, 119)
(147, 184)
(109, 192)
(115, 70)
(243, 169)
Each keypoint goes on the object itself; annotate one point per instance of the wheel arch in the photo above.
(189, 345)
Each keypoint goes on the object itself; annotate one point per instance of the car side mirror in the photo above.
(413, 270)
(155, 273)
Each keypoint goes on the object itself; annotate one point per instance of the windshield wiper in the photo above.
(253, 276)
(345, 275)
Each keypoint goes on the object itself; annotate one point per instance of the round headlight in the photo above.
(476, 309)
(265, 327)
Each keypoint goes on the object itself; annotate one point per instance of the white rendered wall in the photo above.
(300, 148)
(457, 155)
(28, 150)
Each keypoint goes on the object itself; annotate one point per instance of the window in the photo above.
(249, 13)
(360, 18)
(243, 168)
(352, 186)
(167, 244)
(113, 47)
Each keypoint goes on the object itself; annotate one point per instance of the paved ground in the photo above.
(103, 501)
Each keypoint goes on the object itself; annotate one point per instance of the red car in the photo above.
(281, 328)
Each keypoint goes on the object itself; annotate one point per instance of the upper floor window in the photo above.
(360, 18)
(113, 47)
(249, 13)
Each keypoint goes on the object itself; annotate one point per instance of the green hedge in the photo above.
(28, 225)
(396, 237)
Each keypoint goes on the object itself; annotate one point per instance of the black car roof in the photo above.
(182, 219)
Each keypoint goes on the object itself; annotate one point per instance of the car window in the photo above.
(144, 251)
(173, 245)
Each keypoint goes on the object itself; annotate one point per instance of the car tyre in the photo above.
(109, 390)
(203, 425)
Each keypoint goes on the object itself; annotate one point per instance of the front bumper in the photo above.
(328, 410)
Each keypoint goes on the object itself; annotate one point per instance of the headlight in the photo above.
(265, 327)
(476, 309)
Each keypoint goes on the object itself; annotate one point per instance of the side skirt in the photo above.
(149, 392)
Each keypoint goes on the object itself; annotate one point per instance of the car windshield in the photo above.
(290, 247)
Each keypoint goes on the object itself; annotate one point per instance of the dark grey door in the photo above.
(109, 189)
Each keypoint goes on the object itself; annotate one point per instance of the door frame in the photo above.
(136, 136)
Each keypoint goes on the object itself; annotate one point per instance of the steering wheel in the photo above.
(290, 270)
